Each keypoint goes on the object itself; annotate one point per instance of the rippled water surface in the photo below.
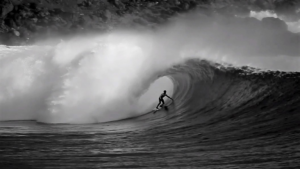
(135, 143)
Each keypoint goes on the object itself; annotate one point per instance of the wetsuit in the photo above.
(161, 98)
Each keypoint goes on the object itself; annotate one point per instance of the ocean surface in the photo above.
(69, 107)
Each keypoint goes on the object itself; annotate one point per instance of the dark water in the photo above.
(223, 117)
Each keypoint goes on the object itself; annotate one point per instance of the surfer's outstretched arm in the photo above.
(169, 97)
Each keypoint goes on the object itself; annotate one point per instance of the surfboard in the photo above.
(165, 107)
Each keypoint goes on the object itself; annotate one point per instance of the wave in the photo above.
(233, 99)
(120, 75)
(34, 88)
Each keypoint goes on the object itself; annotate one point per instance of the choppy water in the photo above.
(223, 117)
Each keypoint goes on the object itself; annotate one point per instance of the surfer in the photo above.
(161, 99)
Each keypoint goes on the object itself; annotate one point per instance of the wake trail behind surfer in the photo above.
(161, 99)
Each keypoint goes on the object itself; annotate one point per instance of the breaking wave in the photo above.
(86, 80)
(118, 76)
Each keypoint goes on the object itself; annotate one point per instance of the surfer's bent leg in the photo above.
(158, 103)
(163, 102)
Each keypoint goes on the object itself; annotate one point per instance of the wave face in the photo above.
(228, 117)
(241, 102)
(246, 98)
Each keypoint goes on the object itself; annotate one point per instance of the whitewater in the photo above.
(86, 80)
(87, 102)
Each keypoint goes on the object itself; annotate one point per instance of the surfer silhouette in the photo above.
(161, 99)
